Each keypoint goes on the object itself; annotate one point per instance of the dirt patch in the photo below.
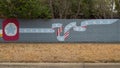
(12, 52)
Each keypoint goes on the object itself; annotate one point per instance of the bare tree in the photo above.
(51, 7)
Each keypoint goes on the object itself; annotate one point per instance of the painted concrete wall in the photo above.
(60, 30)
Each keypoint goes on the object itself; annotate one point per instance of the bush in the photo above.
(24, 9)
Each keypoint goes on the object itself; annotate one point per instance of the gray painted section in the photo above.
(94, 33)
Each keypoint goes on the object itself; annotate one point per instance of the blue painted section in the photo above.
(94, 30)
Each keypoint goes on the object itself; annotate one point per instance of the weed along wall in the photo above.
(59, 30)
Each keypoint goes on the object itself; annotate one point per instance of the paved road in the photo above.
(59, 65)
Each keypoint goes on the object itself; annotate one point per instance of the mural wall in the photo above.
(59, 30)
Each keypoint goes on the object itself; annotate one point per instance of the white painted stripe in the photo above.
(66, 34)
(56, 25)
(98, 22)
(36, 30)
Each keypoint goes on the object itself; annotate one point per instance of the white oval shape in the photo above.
(10, 29)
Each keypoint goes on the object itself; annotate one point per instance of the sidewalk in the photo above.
(59, 65)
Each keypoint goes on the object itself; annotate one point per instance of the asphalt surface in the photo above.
(59, 65)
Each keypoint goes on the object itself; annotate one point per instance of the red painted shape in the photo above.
(84, 26)
(5, 36)
(66, 35)
(59, 31)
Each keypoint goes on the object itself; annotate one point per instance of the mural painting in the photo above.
(11, 28)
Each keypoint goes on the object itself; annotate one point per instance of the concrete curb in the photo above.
(102, 65)
(59, 65)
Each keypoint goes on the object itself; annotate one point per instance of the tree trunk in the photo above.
(51, 8)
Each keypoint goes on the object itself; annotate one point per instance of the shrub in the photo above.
(24, 9)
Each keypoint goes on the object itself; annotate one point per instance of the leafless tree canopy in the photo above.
(64, 9)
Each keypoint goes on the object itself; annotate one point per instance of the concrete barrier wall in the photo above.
(60, 30)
